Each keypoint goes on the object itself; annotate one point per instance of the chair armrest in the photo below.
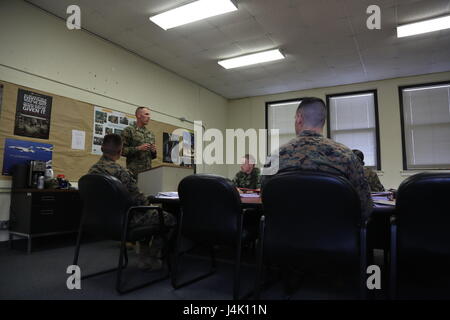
(144, 207)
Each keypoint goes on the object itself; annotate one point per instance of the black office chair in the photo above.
(107, 211)
(311, 220)
(210, 214)
(420, 237)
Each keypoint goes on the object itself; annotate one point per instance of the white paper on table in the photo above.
(78, 138)
(169, 194)
(249, 195)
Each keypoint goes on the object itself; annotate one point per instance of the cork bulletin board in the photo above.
(66, 115)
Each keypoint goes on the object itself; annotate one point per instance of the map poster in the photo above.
(107, 121)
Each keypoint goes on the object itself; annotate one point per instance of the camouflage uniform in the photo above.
(111, 168)
(249, 181)
(373, 180)
(137, 161)
(311, 151)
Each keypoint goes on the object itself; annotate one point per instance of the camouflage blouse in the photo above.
(133, 137)
(312, 151)
(373, 180)
(249, 181)
(111, 168)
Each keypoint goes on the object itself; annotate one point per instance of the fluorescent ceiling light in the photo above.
(423, 27)
(250, 59)
(191, 12)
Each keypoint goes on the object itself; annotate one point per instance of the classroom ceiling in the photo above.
(326, 42)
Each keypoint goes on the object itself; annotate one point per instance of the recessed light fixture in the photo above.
(250, 59)
(423, 27)
(193, 11)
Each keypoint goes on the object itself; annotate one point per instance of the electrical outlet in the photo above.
(4, 224)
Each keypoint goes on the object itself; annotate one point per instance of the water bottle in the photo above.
(48, 173)
(40, 184)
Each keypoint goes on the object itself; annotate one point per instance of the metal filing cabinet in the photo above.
(37, 213)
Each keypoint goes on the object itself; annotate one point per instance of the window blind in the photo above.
(426, 126)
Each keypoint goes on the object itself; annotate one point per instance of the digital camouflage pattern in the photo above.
(137, 161)
(249, 181)
(373, 180)
(111, 168)
(312, 151)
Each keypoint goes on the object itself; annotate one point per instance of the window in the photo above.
(425, 115)
(280, 115)
(353, 121)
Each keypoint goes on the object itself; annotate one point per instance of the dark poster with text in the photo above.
(33, 115)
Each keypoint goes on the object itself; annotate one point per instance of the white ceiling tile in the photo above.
(376, 39)
(230, 18)
(325, 42)
(242, 31)
(223, 52)
(210, 38)
(256, 44)
(420, 10)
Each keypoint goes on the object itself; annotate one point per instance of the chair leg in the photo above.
(76, 256)
(166, 253)
(237, 271)
(259, 262)
(120, 265)
(363, 262)
(176, 255)
(77, 247)
(393, 263)
(176, 263)
(125, 257)
(177, 285)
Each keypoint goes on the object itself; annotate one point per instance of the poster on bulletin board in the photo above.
(179, 148)
(21, 151)
(107, 121)
(33, 111)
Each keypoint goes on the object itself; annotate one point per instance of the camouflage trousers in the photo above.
(151, 218)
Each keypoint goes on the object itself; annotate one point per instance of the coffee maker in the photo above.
(36, 169)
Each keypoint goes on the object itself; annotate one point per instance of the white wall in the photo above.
(250, 113)
(38, 51)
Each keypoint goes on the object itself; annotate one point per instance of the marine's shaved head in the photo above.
(313, 112)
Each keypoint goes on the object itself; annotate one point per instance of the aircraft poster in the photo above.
(20, 151)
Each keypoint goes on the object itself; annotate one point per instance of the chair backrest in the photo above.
(105, 202)
(423, 214)
(211, 208)
(308, 214)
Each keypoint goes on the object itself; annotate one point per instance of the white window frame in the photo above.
(407, 129)
(280, 104)
(375, 129)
